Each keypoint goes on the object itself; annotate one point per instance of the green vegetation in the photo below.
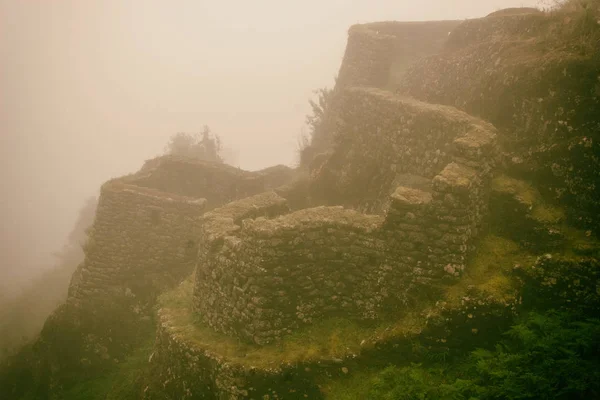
(338, 338)
(545, 356)
(547, 214)
(531, 203)
(200, 146)
(125, 382)
(489, 269)
(316, 122)
(353, 386)
(521, 190)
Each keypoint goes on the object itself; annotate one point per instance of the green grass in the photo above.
(125, 382)
(489, 269)
(523, 191)
(547, 214)
(354, 386)
(540, 211)
(579, 243)
(338, 338)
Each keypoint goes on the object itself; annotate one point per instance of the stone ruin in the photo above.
(401, 198)
(390, 211)
(144, 241)
(386, 212)
(422, 171)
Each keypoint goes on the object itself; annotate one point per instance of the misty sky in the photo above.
(90, 89)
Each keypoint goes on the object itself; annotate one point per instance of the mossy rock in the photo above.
(562, 282)
(518, 211)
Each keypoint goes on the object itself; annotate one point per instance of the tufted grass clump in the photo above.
(581, 19)
(520, 189)
(489, 269)
(547, 214)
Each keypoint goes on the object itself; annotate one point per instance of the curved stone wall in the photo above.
(382, 137)
(144, 240)
(262, 278)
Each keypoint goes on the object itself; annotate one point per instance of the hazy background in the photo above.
(90, 89)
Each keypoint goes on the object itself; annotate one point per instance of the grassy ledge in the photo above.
(338, 338)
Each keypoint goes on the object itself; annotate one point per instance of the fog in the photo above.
(91, 89)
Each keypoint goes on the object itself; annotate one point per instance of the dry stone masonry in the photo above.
(141, 238)
(144, 240)
(421, 171)
(523, 73)
(383, 139)
(146, 228)
(390, 203)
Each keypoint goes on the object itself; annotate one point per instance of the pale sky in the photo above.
(90, 89)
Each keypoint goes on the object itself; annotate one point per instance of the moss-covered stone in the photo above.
(535, 77)
(520, 212)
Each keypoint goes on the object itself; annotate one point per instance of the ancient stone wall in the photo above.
(274, 274)
(536, 79)
(185, 369)
(383, 139)
(381, 51)
(217, 183)
(144, 240)
(141, 241)
(261, 278)
(378, 54)
(146, 229)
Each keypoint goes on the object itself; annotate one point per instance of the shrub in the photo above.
(547, 356)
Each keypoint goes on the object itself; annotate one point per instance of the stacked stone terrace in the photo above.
(420, 172)
(394, 207)
(140, 237)
(144, 237)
